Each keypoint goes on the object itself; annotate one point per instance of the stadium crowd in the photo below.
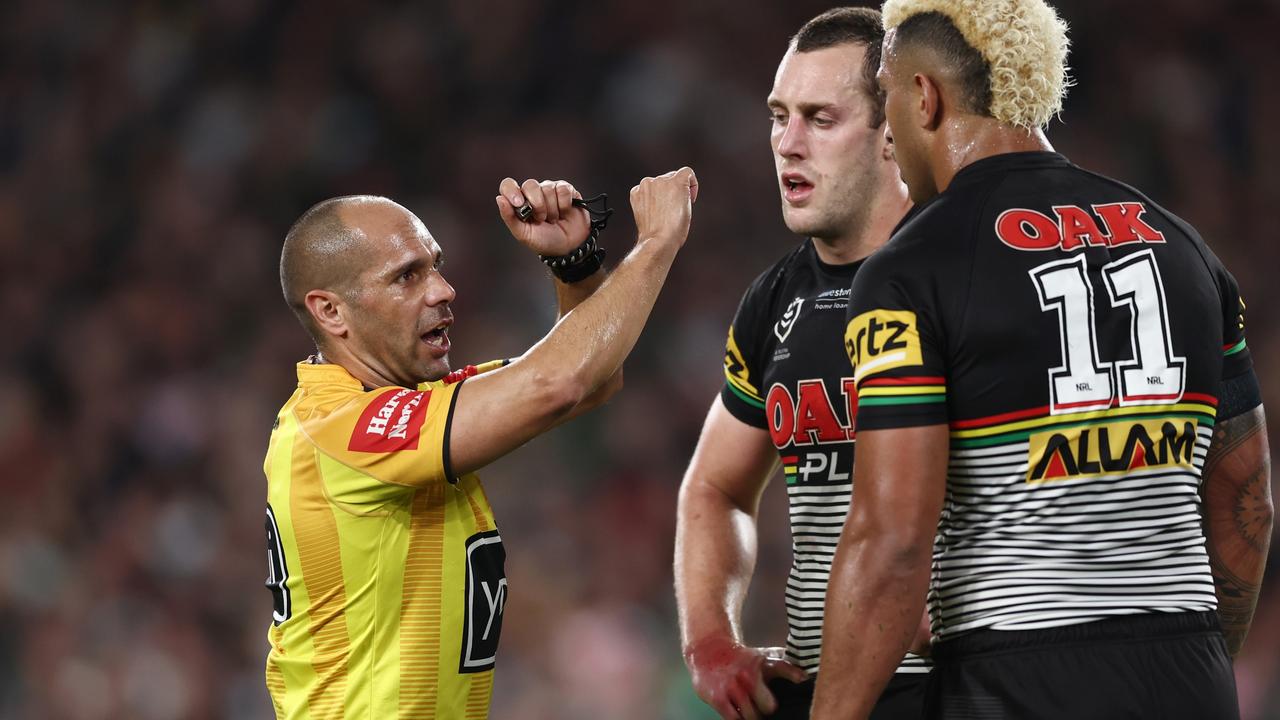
(153, 154)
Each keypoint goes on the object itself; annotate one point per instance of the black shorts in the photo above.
(902, 699)
(1158, 666)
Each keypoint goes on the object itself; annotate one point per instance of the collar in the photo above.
(312, 373)
(1005, 162)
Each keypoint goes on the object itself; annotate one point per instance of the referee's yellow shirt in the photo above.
(387, 574)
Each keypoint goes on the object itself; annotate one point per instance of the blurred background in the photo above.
(152, 155)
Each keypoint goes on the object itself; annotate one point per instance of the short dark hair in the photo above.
(841, 25)
(316, 255)
(971, 69)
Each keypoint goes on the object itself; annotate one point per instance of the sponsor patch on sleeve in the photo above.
(880, 340)
(392, 421)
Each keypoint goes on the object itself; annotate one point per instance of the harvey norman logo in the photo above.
(1106, 449)
(391, 422)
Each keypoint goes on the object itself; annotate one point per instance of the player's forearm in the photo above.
(874, 601)
(1238, 519)
(589, 344)
(715, 557)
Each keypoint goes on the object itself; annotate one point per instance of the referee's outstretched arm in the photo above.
(498, 411)
(1236, 498)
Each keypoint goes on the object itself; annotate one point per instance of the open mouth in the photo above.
(438, 336)
(795, 187)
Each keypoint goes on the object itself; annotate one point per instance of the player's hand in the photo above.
(556, 227)
(731, 677)
(922, 643)
(663, 206)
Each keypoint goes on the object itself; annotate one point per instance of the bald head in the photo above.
(328, 248)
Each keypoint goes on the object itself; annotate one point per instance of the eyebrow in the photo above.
(414, 264)
(807, 108)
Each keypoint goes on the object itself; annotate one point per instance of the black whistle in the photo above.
(524, 213)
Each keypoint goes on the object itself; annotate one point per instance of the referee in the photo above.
(386, 567)
(1053, 388)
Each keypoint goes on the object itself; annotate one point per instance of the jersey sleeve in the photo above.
(894, 343)
(741, 393)
(394, 436)
(1235, 351)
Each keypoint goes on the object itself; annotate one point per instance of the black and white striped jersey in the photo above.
(786, 372)
(1073, 335)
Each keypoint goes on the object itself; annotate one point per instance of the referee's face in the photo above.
(825, 150)
(400, 314)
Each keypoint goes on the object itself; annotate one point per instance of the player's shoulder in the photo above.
(932, 236)
(1162, 217)
(767, 286)
(781, 269)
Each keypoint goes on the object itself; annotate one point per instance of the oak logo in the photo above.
(879, 340)
(391, 422)
(809, 417)
(486, 598)
(788, 319)
(1110, 449)
(1072, 227)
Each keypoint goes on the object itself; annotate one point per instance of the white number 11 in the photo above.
(1083, 382)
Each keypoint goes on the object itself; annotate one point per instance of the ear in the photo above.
(929, 111)
(326, 310)
(886, 147)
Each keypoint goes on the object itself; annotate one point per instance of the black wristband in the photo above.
(582, 270)
(588, 257)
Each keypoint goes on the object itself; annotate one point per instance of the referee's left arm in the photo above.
(553, 213)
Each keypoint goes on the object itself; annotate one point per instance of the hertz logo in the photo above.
(1110, 449)
(880, 340)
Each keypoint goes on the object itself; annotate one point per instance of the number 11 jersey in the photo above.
(1073, 335)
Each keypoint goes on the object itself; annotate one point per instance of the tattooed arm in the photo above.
(1237, 506)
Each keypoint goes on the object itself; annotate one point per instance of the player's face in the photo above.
(904, 133)
(825, 150)
(400, 314)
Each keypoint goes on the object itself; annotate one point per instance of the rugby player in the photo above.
(788, 395)
(386, 566)
(1052, 379)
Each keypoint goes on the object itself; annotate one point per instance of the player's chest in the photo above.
(810, 399)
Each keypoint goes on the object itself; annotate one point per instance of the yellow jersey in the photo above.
(387, 574)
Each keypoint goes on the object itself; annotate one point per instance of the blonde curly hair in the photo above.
(1024, 43)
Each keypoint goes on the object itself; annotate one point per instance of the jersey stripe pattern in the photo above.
(1073, 336)
(786, 372)
(386, 572)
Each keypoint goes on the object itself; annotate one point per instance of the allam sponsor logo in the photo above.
(1118, 448)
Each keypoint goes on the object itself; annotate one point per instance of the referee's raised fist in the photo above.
(663, 206)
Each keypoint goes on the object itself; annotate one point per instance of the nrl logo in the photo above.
(788, 320)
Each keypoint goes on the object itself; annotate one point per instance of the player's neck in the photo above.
(969, 140)
(885, 211)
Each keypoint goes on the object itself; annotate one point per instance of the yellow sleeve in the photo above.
(395, 436)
